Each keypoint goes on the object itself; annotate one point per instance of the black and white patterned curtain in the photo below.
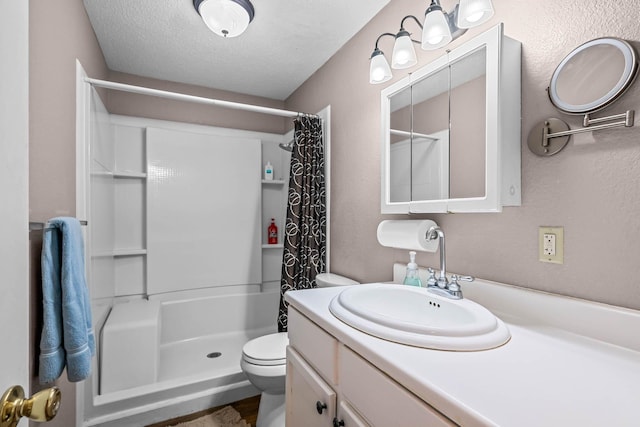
(305, 236)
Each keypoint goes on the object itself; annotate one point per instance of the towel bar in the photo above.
(34, 226)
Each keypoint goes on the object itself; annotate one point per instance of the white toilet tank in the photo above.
(325, 280)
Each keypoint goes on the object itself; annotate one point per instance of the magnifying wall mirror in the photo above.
(593, 75)
(589, 78)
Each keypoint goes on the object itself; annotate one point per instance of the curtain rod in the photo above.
(192, 98)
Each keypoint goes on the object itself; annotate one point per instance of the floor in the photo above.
(248, 409)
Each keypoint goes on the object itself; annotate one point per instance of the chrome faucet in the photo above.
(441, 285)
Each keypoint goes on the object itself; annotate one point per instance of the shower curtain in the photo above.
(305, 238)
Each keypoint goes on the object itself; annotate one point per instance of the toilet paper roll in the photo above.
(407, 234)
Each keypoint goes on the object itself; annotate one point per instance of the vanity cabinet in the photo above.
(323, 373)
(536, 379)
(451, 131)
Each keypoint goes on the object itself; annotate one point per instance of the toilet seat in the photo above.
(267, 350)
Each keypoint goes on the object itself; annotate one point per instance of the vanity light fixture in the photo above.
(226, 18)
(438, 30)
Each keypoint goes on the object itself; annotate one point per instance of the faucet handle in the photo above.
(455, 278)
(431, 280)
(454, 288)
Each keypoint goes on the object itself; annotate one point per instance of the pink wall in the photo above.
(591, 188)
(165, 109)
(59, 32)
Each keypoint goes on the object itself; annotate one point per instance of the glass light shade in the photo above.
(226, 18)
(436, 32)
(474, 12)
(379, 70)
(404, 55)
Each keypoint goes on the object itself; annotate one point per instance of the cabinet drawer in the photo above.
(317, 347)
(380, 399)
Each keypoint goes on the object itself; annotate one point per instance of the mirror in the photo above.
(593, 75)
(467, 101)
(589, 78)
(451, 131)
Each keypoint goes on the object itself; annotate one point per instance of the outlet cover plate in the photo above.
(558, 232)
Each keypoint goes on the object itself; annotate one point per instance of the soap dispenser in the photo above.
(412, 277)
(268, 172)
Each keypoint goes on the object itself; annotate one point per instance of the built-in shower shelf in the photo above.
(273, 182)
(129, 175)
(277, 246)
(129, 252)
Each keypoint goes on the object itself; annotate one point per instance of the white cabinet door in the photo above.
(309, 399)
(348, 417)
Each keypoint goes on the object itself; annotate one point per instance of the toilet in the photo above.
(326, 280)
(264, 362)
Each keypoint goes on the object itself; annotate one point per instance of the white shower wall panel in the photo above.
(100, 213)
(129, 275)
(217, 311)
(101, 140)
(129, 208)
(129, 142)
(203, 211)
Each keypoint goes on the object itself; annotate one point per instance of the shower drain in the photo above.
(214, 355)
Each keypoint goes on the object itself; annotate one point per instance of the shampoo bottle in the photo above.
(412, 277)
(272, 233)
(268, 172)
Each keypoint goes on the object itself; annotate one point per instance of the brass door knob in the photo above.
(42, 406)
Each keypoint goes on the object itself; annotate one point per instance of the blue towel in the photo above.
(67, 334)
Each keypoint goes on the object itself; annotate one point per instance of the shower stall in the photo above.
(178, 265)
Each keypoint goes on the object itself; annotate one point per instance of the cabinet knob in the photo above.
(337, 423)
(320, 406)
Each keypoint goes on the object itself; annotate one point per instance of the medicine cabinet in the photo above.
(451, 131)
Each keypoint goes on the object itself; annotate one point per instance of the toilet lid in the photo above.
(331, 279)
(267, 350)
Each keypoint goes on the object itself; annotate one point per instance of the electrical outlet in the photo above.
(551, 244)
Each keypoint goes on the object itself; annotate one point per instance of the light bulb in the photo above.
(436, 32)
(472, 13)
(379, 70)
(404, 55)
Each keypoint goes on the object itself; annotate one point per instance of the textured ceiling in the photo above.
(285, 44)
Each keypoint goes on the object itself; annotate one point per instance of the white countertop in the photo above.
(546, 375)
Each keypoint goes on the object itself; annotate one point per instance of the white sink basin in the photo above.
(414, 316)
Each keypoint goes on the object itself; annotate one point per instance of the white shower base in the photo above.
(186, 359)
(188, 380)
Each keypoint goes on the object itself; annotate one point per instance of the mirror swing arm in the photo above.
(552, 135)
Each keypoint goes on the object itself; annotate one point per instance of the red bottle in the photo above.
(272, 233)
